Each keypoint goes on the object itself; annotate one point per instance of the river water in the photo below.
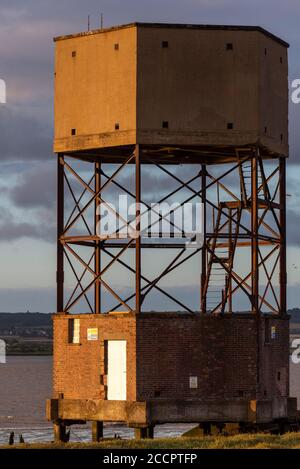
(25, 384)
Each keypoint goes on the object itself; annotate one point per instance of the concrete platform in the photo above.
(149, 413)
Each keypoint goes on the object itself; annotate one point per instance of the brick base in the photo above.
(177, 356)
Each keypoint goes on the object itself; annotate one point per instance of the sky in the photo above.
(28, 167)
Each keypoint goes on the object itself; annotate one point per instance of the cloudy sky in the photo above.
(27, 176)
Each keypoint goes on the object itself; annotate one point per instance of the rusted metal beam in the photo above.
(282, 273)
(138, 234)
(145, 279)
(97, 218)
(254, 230)
(204, 248)
(60, 229)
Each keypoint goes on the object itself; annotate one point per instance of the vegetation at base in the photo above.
(245, 441)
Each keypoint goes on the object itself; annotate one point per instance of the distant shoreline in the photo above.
(29, 354)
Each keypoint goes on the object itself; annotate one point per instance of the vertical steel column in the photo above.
(204, 250)
(254, 230)
(60, 230)
(97, 303)
(254, 261)
(282, 201)
(230, 255)
(138, 238)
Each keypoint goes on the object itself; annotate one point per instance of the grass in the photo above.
(245, 441)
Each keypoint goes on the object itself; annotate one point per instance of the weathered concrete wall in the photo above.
(95, 90)
(198, 84)
(273, 95)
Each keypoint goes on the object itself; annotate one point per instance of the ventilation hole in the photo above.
(165, 125)
(230, 126)
(116, 46)
(266, 51)
(241, 393)
(74, 53)
(117, 126)
(156, 393)
(165, 44)
(281, 137)
(281, 60)
(73, 131)
(266, 130)
(265, 393)
(278, 376)
(229, 46)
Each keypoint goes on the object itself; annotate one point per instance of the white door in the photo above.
(116, 370)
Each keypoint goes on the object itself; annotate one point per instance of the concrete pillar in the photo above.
(144, 432)
(206, 427)
(97, 431)
(59, 432)
(150, 432)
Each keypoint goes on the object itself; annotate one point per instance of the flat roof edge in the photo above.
(176, 26)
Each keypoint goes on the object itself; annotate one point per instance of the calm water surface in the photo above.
(25, 384)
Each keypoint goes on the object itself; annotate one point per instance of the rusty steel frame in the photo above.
(227, 232)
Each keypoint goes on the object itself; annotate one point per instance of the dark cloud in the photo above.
(26, 52)
(293, 232)
(27, 64)
(11, 230)
(36, 188)
(41, 226)
(23, 137)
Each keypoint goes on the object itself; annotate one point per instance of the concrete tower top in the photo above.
(208, 27)
(171, 85)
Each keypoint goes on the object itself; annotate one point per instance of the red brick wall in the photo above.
(220, 351)
(165, 349)
(78, 369)
(274, 359)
